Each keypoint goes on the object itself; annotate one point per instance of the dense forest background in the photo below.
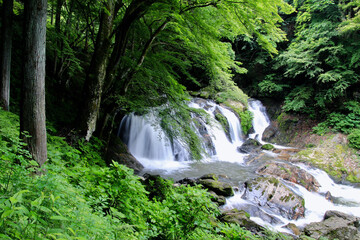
(105, 59)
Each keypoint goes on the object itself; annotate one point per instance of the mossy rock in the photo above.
(211, 176)
(223, 121)
(267, 146)
(220, 188)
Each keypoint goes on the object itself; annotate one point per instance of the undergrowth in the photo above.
(79, 197)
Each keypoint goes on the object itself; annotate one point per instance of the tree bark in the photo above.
(96, 74)
(32, 118)
(5, 52)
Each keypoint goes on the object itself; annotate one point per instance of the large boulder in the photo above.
(220, 188)
(118, 152)
(217, 188)
(290, 173)
(270, 193)
(242, 218)
(336, 225)
(250, 146)
(255, 211)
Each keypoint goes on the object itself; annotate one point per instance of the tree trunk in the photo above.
(136, 9)
(32, 119)
(96, 74)
(5, 52)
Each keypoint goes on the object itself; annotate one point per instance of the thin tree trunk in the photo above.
(136, 9)
(32, 119)
(146, 48)
(96, 74)
(5, 52)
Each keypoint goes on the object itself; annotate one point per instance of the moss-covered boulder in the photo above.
(250, 146)
(242, 218)
(290, 173)
(270, 193)
(220, 188)
(218, 199)
(334, 156)
(336, 225)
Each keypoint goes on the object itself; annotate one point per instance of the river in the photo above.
(150, 146)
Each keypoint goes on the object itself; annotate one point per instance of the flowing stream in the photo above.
(148, 143)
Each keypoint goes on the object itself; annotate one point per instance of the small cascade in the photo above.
(225, 148)
(260, 119)
(149, 144)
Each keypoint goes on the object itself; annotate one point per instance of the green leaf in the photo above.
(7, 213)
(60, 218)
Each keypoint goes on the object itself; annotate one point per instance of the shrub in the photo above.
(354, 138)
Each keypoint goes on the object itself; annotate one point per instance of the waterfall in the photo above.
(149, 144)
(260, 119)
(225, 148)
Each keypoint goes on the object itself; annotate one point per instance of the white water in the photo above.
(152, 148)
(225, 149)
(260, 119)
(148, 143)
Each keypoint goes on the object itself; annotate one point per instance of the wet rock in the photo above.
(211, 176)
(336, 225)
(223, 122)
(118, 152)
(255, 211)
(295, 230)
(328, 196)
(290, 173)
(212, 183)
(220, 188)
(218, 199)
(242, 218)
(270, 193)
(205, 135)
(188, 181)
(250, 146)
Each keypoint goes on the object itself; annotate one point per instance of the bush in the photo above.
(354, 138)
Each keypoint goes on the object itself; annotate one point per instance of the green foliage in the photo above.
(78, 197)
(223, 121)
(270, 86)
(344, 120)
(176, 122)
(354, 138)
(246, 118)
(267, 147)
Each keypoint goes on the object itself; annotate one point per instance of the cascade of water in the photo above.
(149, 144)
(225, 149)
(235, 130)
(260, 119)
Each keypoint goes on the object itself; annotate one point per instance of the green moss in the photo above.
(267, 146)
(223, 121)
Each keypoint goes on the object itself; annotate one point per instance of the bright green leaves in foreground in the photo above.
(79, 198)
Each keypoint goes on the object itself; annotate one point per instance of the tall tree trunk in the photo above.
(5, 61)
(96, 74)
(32, 119)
